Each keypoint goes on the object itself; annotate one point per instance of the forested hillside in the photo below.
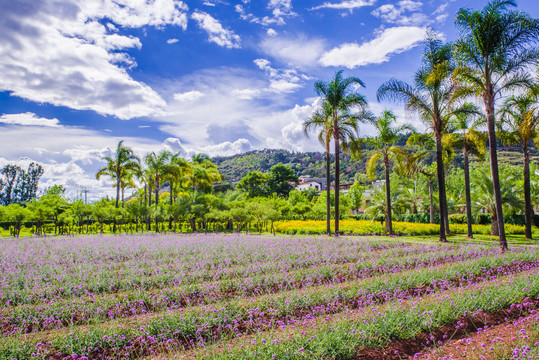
(233, 168)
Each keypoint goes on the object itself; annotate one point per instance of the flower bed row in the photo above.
(205, 325)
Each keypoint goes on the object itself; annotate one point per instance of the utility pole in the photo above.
(85, 191)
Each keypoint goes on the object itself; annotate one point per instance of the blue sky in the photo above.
(213, 76)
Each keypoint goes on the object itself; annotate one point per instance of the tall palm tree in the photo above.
(465, 135)
(321, 120)
(431, 97)
(342, 100)
(179, 170)
(158, 167)
(387, 151)
(117, 166)
(519, 125)
(495, 50)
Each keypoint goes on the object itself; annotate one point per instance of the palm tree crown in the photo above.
(346, 108)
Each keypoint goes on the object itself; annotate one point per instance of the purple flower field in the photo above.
(248, 296)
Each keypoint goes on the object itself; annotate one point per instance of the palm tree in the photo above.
(158, 167)
(341, 101)
(124, 160)
(387, 151)
(431, 97)
(204, 173)
(495, 51)
(178, 169)
(471, 141)
(485, 199)
(418, 162)
(519, 124)
(321, 119)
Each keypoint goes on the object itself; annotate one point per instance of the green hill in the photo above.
(233, 168)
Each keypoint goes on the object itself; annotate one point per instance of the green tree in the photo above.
(159, 168)
(519, 125)
(385, 142)
(254, 184)
(16, 214)
(118, 166)
(321, 120)
(431, 97)
(280, 179)
(466, 136)
(341, 100)
(204, 173)
(485, 198)
(356, 196)
(495, 48)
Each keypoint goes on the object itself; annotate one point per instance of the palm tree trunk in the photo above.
(328, 193)
(489, 107)
(156, 202)
(431, 200)
(171, 202)
(467, 190)
(117, 198)
(446, 211)
(389, 225)
(441, 185)
(528, 212)
(337, 186)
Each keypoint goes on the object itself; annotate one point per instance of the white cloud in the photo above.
(280, 10)
(281, 81)
(172, 41)
(59, 52)
(252, 106)
(271, 32)
(28, 119)
(391, 41)
(189, 96)
(405, 12)
(227, 148)
(299, 51)
(216, 32)
(345, 5)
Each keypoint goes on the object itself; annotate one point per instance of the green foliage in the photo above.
(280, 179)
(254, 183)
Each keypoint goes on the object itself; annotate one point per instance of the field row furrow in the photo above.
(205, 325)
(94, 309)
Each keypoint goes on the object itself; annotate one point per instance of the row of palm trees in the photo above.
(489, 60)
(156, 169)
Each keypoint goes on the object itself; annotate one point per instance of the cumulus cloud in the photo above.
(280, 10)
(253, 106)
(299, 51)
(216, 32)
(404, 12)
(172, 41)
(281, 81)
(391, 41)
(61, 52)
(345, 5)
(28, 119)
